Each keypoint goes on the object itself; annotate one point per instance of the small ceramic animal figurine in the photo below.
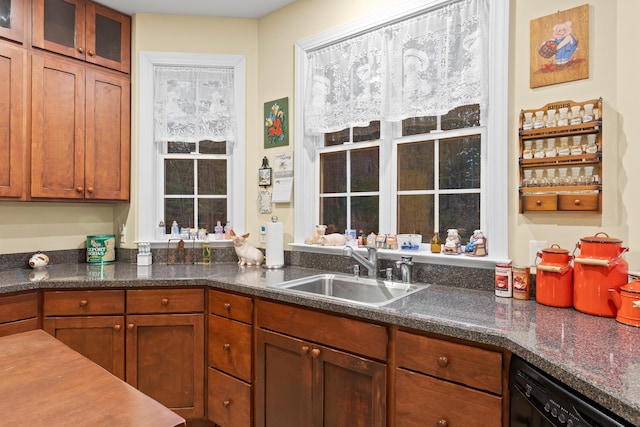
(452, 243)
(333, 239)
(247, 254)
(38, 260)
(314, 239)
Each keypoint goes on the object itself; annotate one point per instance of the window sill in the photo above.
(173, 243)
(425, 257)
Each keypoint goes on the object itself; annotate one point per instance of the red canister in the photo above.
(598, 268)
(554, 277)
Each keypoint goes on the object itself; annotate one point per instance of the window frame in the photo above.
(150, 191)
(494, 162)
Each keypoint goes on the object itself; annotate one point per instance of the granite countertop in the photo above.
(597, 356)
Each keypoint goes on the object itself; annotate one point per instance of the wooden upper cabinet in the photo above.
(80, 131)
(12, 122)
(12, 20)
(83, 30)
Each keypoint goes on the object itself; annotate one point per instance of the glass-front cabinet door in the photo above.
(83, 30)
(12, 20)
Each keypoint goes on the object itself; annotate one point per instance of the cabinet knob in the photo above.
(117, 327)
(443, 423)
(80, 50)
(91, 53)
(79, 189)
(315, 352)
(227, 306)
(130, 326)
(577, 202)
(538, 202)
(443, 361)
(83, 303)
(164, 301)
(90, 189)
(304, 349)
(226, 347)
(226, 403)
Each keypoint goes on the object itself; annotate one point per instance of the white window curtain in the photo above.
(193, 104)
(425, 65)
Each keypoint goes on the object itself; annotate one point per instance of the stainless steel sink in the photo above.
(359, 290)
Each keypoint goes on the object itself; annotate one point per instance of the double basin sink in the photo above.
(359, 290)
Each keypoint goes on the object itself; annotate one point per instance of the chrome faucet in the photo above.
(370, 263)
(405, 265)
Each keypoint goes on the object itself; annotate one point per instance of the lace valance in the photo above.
(193, 104)
(424, 65)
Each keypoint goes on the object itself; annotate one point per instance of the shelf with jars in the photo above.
(561, 157)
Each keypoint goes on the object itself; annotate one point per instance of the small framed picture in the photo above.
(264, 177)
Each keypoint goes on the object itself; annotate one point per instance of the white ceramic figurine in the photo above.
(247, 254)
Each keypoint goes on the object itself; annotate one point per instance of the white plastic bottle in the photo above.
(218, 231)
(175, 230)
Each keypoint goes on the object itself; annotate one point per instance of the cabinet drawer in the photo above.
(472, 366)
(70, 303)
(353, 336)
(11, 328)
(540, 202)
(165, 300)
(18, 307)
(233, 306)
(229, 401)
(230, 346)
(578, 202)
(426, 401)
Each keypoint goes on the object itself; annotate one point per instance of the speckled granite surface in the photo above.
(596, 356)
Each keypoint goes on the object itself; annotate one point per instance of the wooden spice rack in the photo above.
(561, 194)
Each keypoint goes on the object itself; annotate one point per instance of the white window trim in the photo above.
(496, 165)
(149, 203)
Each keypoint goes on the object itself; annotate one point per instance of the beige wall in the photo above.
(268, 46)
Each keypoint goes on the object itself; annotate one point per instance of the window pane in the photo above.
(212, 177)
(462, 117)
(5, 13)
(178, 176)
(174, 147)
(213, 147)
(333, 177)
(336, 138)
(180, 210)
(415, 215)
(364, 214)
(461, 211)
(368, 133)
(333, 213)
(415, 166)
(417, 125)
(60, 22)
(210, 211)
(460, 163)
(364, 169)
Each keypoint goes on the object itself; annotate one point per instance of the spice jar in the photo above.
(563, 116)
(551, 118)
(564, 149)
(539, 120)
(576, 118)
(528, 121)
(591, 148)
(539, 151)
(551, 148)
(527, 152)
(576, 148)
(588, 113)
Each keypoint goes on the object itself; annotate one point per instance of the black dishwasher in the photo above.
(538, 400)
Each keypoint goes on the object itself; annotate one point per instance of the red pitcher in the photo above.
(599, 267)
(554, 277)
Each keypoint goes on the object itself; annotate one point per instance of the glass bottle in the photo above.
(526, 180)
(576, 148)
(592, 147)
(575, 175)
(539, 151)
(435, 243)
(564, 149)
(527, 152)
(539, 120)
(551, 177)
(576, 118)
(527, 124)
(540, 179)
(551, 148)
(588, 113)
(588, 175)
(562, 178)
(218, 230)
(551, 118)
(563, 116)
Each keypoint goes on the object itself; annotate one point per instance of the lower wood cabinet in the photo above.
(152, 338)
(441, 383)
(303, 382)
(18, 313)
